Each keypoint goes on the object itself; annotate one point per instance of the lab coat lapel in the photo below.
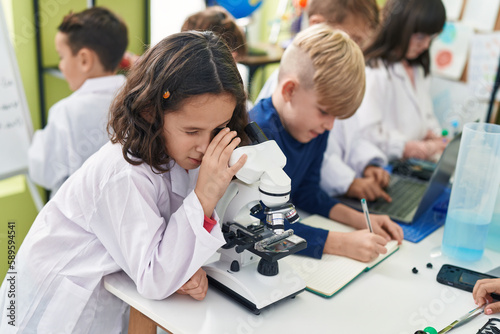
(183, 182)
(400, 72)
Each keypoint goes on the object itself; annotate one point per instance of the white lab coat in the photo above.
(75, 130)
(269, 86)
(393, 111)
(346, 157)
(347, 153)
(108, 216)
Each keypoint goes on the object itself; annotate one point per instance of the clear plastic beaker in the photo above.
(474, 191)
(493, 240)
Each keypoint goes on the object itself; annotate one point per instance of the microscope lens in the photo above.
(292, 216)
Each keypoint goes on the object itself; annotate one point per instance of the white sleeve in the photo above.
(48, 157)
(431, 121)
(159, 253)
(336, 176)
(243, 69)
(358, 152)
(376, 106)
(269, 87)
(363, 154)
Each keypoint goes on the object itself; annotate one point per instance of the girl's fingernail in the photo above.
(488, 311)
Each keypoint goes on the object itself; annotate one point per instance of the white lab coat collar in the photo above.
(399, 70)
(107, 84)
(183, 183)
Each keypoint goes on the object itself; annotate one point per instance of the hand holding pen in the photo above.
(367, 215)
(382, 225)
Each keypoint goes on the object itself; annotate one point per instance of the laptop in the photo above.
(412, 195)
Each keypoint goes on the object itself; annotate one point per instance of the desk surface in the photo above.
(387, 299)
(273, 55)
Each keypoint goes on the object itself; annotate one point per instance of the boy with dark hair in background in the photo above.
(90, 45)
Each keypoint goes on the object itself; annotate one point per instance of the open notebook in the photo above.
(329, 275)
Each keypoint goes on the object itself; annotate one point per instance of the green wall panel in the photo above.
(56, 89)
(16, 205)
(133, 13)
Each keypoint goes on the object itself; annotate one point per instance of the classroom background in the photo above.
(465, 59)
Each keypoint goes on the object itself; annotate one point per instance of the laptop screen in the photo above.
(441, 177)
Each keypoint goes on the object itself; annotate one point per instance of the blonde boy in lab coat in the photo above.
(352, 165)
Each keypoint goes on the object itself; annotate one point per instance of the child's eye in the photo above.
(192, 133)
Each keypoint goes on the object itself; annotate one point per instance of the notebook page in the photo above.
(325, 223)
(327, 275)
(391, 246)
(332, 272)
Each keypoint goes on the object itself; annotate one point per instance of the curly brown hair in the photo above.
(185, 64)
(220, 21)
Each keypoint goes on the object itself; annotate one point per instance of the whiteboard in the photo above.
(15, 121)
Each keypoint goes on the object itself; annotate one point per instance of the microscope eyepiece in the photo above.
(255, 133)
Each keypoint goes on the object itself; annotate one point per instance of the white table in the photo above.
(389, 299)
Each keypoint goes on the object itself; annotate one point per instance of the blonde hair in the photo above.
(331, 63)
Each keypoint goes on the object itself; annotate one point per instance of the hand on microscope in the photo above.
(197, 285)
(215, 173)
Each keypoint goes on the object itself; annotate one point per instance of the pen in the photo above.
(367, 214)
(462, 320)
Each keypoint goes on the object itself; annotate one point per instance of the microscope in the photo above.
(248, 269)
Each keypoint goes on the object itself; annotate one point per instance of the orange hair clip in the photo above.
(166, 95)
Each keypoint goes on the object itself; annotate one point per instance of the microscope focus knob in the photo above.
(256, 209)
(235, 266)
(267, 268)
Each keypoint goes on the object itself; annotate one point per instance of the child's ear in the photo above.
(288, 89)
(86, 58)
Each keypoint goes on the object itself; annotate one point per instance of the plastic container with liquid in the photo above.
(493, 239)
(474, 192)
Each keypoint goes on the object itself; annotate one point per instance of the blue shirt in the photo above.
(303, 167)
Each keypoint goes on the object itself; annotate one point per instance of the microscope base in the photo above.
(250, 288)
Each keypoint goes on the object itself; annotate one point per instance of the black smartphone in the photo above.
(461, 278)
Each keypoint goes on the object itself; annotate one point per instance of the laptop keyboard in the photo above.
(406, 195)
